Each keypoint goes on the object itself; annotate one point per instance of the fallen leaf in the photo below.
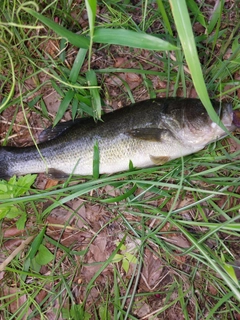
(152, 270)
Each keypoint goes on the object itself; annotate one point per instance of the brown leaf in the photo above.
(12, 243)
(178, 239)
(180, 260)
(133, 80)
(237, 316)
(133, 77)
(51, 183)
(213, 291)
(143, 310)
(152, 270)
(198, 28)
(120, 62)
(16, 299)
(12, 232)
(98, 249)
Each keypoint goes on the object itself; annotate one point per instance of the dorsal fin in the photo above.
(53, 132)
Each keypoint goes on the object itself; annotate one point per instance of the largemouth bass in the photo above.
(148, 133)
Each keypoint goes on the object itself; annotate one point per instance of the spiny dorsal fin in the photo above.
(53, 132)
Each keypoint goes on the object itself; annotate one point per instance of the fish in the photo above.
(147, 133)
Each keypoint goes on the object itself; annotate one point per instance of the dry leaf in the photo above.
(15, 300)
(152, 270)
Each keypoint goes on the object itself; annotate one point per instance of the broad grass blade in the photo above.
(77, 65)
(63, 106)
(75, 39)
(164, 15)
(96, 159)
(91, 6)
(216, 17)
(131, 38)
(94, 92)
(192, 5)
(184, 28)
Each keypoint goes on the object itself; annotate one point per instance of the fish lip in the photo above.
(227, 116)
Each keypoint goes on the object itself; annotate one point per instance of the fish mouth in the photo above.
(227, 117)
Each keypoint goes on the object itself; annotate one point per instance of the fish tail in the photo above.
(4, 164)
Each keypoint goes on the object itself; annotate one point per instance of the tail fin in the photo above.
(4, 164)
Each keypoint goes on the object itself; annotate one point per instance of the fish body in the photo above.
(148, 133)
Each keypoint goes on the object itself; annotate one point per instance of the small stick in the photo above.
(15, 252)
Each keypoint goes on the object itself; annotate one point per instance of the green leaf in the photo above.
(117, 258)
(230, 270)
(36, 244)
(125, 264)
(44, 256)
(131, 39)
(9, 212)
(13, 212)
(104, 312)
(131, 258)
(77, 312)
(21, 221)
(15, 188)
(12, 189)
(23, 184)
(75, 39)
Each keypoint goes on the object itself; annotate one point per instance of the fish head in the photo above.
(199, 129)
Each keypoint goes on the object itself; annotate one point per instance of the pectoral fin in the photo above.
(149, 134)
(159, 160)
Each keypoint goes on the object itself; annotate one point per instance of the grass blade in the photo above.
(91, 11)
(4, 102)
(164, 15)
(184, 28)
(197, 12)
(96, 158)
(96, 100)
(216, 17)
(63, 106)
(131, 39)
(75, 39)
(77, 65)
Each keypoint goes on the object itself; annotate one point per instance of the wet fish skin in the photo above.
(149, 132)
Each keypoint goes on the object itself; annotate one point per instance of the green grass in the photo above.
(167, 236)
